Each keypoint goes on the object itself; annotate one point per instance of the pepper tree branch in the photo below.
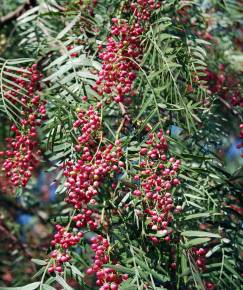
(4, 20)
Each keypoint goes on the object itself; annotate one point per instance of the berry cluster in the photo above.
(97, 161)
(157, 177)
(26, 84)
(90, 123)
(118, 68)
(107, 278)
(225, 86)
(22, 154)
(84, 179)
(62, 241)
(121, 54)
(142, 8)
(5, 184)
(86, 219)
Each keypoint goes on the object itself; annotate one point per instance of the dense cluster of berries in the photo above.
(90, 123)
(225, 86)
(26, 84)
(142, 8)
(121, 54)
(5, 184)
(97, 161)
(107, 278)
(63, 240)
(241, 136)
(22, 154)
(86, 218)
(157, 177)
(118, 68)
(84, 179)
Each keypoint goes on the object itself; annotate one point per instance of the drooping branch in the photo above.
(4, 20)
